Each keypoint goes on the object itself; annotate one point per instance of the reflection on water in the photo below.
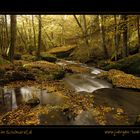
(12, 98)
(84, 118)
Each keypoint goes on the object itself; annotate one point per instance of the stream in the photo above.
(103, 91)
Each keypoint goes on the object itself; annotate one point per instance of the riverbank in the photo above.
(73, 100)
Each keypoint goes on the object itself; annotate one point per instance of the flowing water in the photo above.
(84, 83)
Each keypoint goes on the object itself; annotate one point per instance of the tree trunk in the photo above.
(34, 31)
(7, 34)
(102, 30)
(2, 36)
(39, 37)
(125, 37)
(83, 29)
(26, 36)
(138, 29)
(13, 37)
(24, 42)
(116, 38)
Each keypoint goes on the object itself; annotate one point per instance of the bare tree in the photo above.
(102, 31)
(125, 36)
(39, 36)
(138, 29)
(34, 31)
(116, 35)
(13, 37)
(83, 28)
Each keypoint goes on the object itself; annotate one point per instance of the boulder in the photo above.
(63, 51)
(48, 57)
(43, 70)
(19, 75)
(33, 102)
(129, 64)
(73, 68)
(120, 79)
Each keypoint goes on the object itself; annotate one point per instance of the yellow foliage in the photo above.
(121, 79)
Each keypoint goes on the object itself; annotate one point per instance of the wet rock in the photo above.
(43, 119)
(19, 75)
(85, 118)
(48, 57)
(67, 70)
(33, 102)
(4, 81)
(128, 100)
(54, 117)
(68, 113)
(73, 68)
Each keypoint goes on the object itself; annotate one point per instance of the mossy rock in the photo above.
(104, 63)
(44, 70)
(63, 51)
(19, 75)
(48, 57)
(120, 79)
(129, 64)
(72, 68)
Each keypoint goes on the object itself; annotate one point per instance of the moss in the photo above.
(120, 79)
(104, 63)
(43, 70)
(48, 57)
(129, 64)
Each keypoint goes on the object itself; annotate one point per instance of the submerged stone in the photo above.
(33, 102)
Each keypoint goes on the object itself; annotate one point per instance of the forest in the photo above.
(70, 69)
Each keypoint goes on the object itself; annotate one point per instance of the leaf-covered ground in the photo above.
(120, 79)
(74, 108)
(68, 112)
